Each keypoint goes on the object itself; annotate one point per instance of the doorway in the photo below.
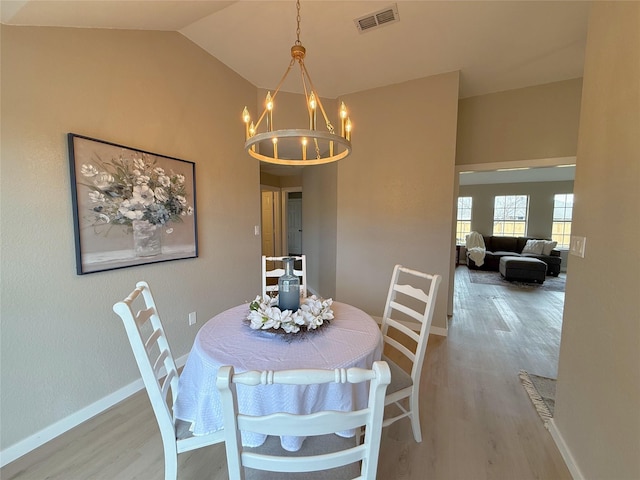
(294, 223)
(281, 218)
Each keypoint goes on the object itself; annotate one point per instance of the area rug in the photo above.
(542, 392)
(552, 284)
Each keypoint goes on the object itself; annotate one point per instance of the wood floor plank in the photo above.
(477, 421)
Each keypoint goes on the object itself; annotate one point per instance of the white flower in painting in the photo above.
(139, 163)
(161, 194)
(143, 180)
(133, 214)
(128, 210)
(143, 195)
(132, 187)
(164, 181)
(97, 197)
(102, 180)
(89, 170)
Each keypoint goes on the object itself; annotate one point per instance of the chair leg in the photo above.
(170, 466)
(415, 418)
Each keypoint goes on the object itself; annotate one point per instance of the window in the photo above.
(463, 225)
(562, 213)
(510, 213)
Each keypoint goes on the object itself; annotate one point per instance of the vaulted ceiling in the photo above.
(496, 45)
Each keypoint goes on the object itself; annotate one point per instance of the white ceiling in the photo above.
(519, 175)
(496, 45)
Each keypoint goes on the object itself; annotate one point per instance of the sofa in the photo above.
(498, 247)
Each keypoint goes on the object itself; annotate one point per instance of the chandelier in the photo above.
(296, 146)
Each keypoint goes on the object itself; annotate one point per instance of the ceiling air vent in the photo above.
(378, 19)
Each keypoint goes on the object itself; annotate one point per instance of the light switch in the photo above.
(256, 230)
(577, 245)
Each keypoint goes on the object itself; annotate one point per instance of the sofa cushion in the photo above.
(503, 244)
(548, 246)
(534, 246)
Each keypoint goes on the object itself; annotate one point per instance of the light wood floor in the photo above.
(477, 421)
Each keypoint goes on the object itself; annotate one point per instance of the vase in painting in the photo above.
(147, 238)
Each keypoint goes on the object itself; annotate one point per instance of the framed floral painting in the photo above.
(130, 207)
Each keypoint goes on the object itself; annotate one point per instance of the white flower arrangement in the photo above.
(313, 313)
(129, 189)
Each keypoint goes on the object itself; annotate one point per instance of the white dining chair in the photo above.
(407, 304)
(159, 374)
(273, 268)
(324, 455)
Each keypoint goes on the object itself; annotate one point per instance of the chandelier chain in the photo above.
(298, 22)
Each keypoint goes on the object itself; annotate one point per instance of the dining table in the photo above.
(351, 339)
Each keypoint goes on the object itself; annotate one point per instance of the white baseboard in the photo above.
(56, 429)
(564, 451)
(415, 326)
(442, 331)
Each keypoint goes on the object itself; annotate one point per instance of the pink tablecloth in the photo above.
(351, 340)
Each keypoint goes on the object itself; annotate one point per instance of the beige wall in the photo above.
(528, 123)
(280, 181)
(319, 232)
(599, 373)
(62, 347)
(395, 192)
(540, 204)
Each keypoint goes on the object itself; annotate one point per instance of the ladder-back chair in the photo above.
(159, 374)
(324, 454)
(407, 304)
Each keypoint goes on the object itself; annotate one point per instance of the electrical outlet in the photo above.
(192, 318)
(576, 245)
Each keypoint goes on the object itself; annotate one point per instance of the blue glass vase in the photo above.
(289, 287)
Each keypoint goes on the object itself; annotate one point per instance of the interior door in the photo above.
(268, 240)
(294, 224)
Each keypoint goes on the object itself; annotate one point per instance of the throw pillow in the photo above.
(534, 246)
(548, 246)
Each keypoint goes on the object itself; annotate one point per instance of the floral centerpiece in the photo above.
(313, 314)
(136, 194)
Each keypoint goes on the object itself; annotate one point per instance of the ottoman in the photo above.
(524, 269)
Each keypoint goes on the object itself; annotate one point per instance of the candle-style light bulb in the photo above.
(312, 111)
(252, 132)
(347, 129)
(269, 107)
(343, 117)
(343, 110)
(304, 148)
(246, 118)
(275, 147)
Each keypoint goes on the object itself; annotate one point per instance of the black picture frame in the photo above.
(130, 207)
